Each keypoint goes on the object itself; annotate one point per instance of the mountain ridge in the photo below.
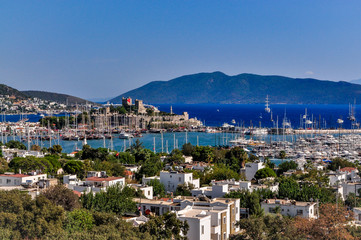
(217, 87)
(56, 97)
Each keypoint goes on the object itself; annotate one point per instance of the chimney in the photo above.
(19, 170)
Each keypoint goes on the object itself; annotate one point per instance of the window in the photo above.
(224, 235)
(8, 181)
(224, 220)
(148, 193)
(1, 181)
(170, 176)
(180, 179)
(202, 229)
(299, 212)
(271, 210)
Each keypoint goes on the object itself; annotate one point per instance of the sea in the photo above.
(216, 115)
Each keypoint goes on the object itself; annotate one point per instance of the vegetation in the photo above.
(265, 173)
(246, 88)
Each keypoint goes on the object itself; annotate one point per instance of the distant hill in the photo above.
(6, 90)
(218, 87)
(56, 97)
(357, 81)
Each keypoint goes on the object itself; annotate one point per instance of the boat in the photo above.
(267, 109)
(124, 135)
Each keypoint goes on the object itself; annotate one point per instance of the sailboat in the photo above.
(267, 109)
(351, 112)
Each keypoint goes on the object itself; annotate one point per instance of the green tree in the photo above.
(285, 166)
(158, 187)
(282, 155)
(265, 173)
(337, 163)
(74, 167)
(203, 154)
(184, 189)
(79, 220)
(56, 149)
(116, 199)
(62, 196)
(187, 149)
(167, 226)
(15, 144)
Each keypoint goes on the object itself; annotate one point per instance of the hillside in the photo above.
(218, 87)
(56, 97)
(6, 90)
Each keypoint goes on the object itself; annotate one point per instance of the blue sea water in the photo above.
(214, 115)
(254, 114)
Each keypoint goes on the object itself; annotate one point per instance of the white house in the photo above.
(146, 190)
(172, 179)
(20, 179)
(218, 216)
(199, 223)
(251, 168)
(291, 208)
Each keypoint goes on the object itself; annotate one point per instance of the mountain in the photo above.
(357, 81)
(6, 90)
(218, 87)
(56, 97)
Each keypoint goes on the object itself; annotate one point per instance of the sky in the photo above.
(101, 49)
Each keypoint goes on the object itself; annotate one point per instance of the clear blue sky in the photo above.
(99, 48)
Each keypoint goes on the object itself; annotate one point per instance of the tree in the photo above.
(158, 187)
(62, 196)
(203, 154)
(337, 163)
(265, 227)
(167, 226)
(15, 144)
(56, 149)
(331, 224)
(220, 172)
(79, 220)
(35, 148)
(187, 149)
(150, 167)
(265, 173)
(288, 188)
(282, 155)
(74, 167)
(250, 200)
(116, 199)
(176, 157)
(285, 166)
(184, 189)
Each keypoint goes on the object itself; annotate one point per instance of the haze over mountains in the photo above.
(49, 96)
(218, 87)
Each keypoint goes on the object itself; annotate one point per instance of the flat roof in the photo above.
(17, 175)
(288, 202)
(99, 179)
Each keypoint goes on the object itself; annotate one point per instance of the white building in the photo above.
(291, 208)
(146, 190)
(93, 183)
(172, 179)
(199, 223)
(218, 216)
(20, 179)
(357, 215)
(251, 168)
